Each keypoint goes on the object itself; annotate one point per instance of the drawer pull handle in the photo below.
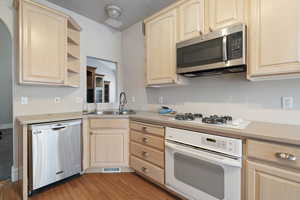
(145, 170)
(145, 140)
(285, 156)
(144, 128)
(145, 154)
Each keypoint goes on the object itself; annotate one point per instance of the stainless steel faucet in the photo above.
(122, 102)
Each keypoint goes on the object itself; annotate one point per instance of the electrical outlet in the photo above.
(161, 100)
(79, 100)
(24, 100)
(57, 100)
(287, 102)
(133, 99)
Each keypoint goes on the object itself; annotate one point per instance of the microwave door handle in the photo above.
(225, 56)
(205, 155)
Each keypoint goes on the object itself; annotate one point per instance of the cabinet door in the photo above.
(161, 36)
(270, 183)
(109, 148)
(274, 38)
(191, 22)
(43, 40)
(221, 13)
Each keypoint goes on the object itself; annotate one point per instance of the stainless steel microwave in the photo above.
(221, 51)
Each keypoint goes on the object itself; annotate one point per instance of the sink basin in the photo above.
(126, 112)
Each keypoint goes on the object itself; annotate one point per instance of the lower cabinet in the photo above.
(271, 183)
(273, 171)
(109, 143)
(147, 151)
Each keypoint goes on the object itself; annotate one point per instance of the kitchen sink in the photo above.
(111, 112)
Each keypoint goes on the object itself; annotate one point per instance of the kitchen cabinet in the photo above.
(274, 39)
(44, 43)
(221, 13)
(272, 171)
(161, 38)
(147, 151)
(109, 141)
(271, 183)
(191, 19)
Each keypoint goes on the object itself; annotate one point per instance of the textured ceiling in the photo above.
(133, 10)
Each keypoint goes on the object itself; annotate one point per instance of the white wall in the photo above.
(228, 94)
(109, 69)
(5, 76)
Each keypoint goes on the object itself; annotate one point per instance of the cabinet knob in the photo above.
(201, 33)
(286, 156)
(210, 29)
(144, 128)
(145, 170)
(145, 154)
(145, 140)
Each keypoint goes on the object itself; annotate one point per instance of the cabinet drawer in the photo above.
(270, 152)
(146, 139)
(147, 169)
(109, 123)
(148, 154)
(148, 128)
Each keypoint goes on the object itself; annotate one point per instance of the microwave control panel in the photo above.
(235, 45)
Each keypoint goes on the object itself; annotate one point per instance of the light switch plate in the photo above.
(287, 102)
(24, 100)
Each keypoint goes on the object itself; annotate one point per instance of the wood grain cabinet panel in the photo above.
(161, 38)
(147, 139)
(43, 44)
(109, 148)
(147, 169)
(274, 39)
(270, 183)
(148, 154)
(148, 128)
(191, 19)
(222, 13)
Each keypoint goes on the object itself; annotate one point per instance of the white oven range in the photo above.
(201, 166)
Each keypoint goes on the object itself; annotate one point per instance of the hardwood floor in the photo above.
(8, 191)
(125, 186)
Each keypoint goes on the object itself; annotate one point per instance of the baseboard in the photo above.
(15, 174)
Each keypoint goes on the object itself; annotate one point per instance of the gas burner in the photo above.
(188, 116)
(215, 119)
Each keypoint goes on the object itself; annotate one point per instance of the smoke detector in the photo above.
(113, 12)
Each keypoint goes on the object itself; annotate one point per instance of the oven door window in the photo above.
(203, 53)
(200, 174)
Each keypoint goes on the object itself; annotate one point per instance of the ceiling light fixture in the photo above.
(113, 11)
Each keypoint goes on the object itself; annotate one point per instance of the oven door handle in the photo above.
(209, 157)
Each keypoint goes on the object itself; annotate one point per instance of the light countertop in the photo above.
(283, 133)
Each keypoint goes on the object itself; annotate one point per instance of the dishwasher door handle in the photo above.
(59, 128)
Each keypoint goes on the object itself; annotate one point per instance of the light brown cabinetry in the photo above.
(161, 38)
(272, 171)
(274, 39)
(191, 19)
(109, 143)
(147, 150)
(44, 45)
(221, 13)
(43, 39)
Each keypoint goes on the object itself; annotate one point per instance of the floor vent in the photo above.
(111, 170)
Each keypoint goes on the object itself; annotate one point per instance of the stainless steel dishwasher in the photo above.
(55, 152)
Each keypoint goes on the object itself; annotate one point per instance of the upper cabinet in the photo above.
(274, 39)
(221, 13)
(161, 38)
(191, 19)
(43, 37)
